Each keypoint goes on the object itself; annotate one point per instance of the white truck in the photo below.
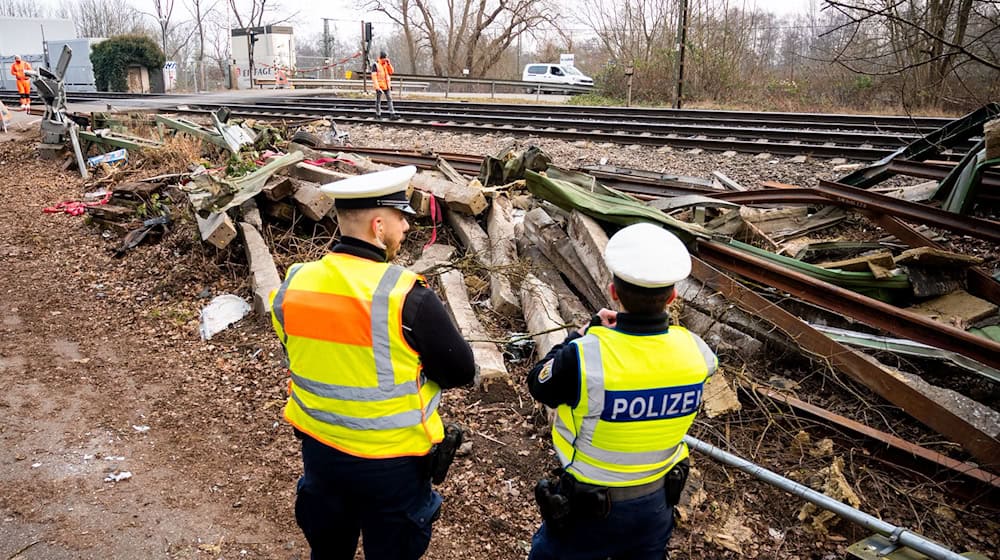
(551, 76)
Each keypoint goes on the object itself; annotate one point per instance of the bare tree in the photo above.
(200, 10)
(469, 34)
(164, 10)
(21, 8)
(631, 30)
(103, 18)
(926, 43)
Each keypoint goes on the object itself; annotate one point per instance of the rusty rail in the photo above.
(870, 311)
(981, 445)
(910, 211)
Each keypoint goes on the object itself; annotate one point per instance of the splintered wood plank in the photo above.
(546, 234)
(541, 314)
(590, 241)
(503, 254)
(930, 256)
(487, 355)
(472, 236)
(571, 309)
(315, 174)
(216, 230)
(954, 308)
(860, 264)
(432, 257)
(466, 198)
(264, 277)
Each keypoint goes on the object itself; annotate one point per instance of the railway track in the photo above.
(857, 137)
(784, 142)
(649, 184)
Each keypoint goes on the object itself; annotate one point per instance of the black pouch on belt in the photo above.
(443, 454)
(676, 479)
(588, 501)
(554, 505)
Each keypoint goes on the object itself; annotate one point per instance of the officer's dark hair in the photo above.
(640, 300)
(382, 55)
(353, 214)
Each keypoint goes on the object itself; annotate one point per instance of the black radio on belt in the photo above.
(443, 454)
(553, 505)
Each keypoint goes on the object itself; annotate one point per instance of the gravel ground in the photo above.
(745, 169)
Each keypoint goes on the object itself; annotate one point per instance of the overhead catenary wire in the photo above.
(897, 535)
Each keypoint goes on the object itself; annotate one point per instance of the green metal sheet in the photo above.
(888, 289)
(608, 205)
(992, 332)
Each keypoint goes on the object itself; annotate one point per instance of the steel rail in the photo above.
(872, 312)
(925, 170)
(643, 129)
(609, 114)
(911, 211)
(813, 120)
(714, 144)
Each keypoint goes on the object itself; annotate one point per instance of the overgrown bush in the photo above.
(112, 58)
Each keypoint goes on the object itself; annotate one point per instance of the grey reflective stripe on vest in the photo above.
(279, 299)
(616, 457)
(381, 347)
(381, 341)
(711, 361)
(597, 473)
(349, 393)
(406, 419)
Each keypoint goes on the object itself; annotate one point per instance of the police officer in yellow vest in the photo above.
(370, 347)
(625, 389)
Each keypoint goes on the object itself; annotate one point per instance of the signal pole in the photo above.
(327, 55)
(682, 22)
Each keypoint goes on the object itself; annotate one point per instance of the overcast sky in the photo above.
(346, 18)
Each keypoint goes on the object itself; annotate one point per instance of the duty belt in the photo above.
(623, 493)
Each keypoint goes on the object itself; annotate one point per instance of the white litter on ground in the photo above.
(118, 476)
(221, 312)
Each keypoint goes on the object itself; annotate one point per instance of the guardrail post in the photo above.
(538, 92)
(493, 90)
(402, 88)
(447, 87)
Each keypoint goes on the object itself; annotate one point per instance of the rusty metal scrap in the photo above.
(939, 418)
(872, 312)
(911, 211)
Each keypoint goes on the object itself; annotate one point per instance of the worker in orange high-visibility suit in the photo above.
(18, 70)
(381, 78)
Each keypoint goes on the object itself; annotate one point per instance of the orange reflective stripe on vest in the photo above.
(355, 384)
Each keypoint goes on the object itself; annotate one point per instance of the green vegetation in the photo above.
(112, 58)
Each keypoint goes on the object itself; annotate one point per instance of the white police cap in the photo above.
(648, 256)
(373, 190)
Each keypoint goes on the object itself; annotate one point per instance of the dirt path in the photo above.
(98, 376)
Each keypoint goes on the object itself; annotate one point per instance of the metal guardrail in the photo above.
(533, 86)
(340, 83)
(424, 81)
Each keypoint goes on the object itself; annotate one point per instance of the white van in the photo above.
(554, 74)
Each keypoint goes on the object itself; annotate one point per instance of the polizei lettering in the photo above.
(651, 404)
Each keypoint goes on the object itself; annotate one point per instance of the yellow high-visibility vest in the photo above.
(638, 396)
(356, 384)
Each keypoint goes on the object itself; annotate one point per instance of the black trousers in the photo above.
(389, 502)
